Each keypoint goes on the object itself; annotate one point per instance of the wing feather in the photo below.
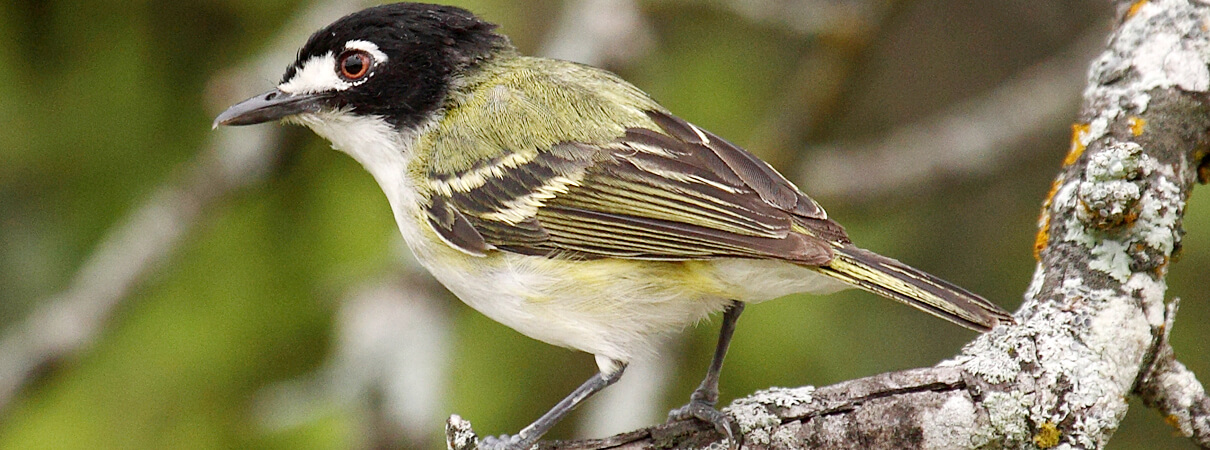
(670, 192)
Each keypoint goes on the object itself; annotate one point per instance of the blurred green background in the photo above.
(104, 102)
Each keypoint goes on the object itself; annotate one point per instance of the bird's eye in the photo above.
(354, 65)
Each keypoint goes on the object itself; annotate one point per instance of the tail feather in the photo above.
(897, 281)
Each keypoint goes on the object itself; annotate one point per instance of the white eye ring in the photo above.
(354, 65)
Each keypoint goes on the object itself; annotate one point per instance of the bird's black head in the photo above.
(393, 61)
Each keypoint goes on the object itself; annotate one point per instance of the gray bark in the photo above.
(1093, 328)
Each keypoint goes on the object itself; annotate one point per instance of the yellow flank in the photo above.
(692, 278)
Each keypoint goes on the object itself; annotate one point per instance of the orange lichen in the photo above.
(1137, 124)
(1173, 420)
(1134, 8)
(1077, 145)
(1130, 217)
(1048, 435)
(1050, 196)
(1043, 236)
(1161, 269)
(1044, 220)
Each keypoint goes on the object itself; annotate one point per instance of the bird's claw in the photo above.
(705, 412)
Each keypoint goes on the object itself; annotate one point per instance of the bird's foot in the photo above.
(705, 412)
(504, 442)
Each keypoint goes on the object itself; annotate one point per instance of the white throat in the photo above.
(382, 149)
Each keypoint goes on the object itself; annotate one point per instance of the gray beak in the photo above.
(272, 105)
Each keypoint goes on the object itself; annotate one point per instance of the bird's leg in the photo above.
(530, 434)
(701, 403)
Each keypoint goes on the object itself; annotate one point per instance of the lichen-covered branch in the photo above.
(1169, 387)
(1092, 328)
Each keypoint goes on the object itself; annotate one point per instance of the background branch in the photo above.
(967, 139)
(69, 321)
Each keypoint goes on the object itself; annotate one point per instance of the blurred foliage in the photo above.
(102, 101)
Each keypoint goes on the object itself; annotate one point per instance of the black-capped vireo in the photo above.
(564, 202)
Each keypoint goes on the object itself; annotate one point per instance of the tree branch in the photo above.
(1167, 386)
(1092, 328)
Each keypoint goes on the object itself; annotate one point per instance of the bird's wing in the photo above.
(668, 192)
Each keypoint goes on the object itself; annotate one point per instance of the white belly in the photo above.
(618, 309)
(610, 308)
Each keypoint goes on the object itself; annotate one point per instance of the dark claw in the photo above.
(705, 412)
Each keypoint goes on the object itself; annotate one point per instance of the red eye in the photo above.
(355, 65)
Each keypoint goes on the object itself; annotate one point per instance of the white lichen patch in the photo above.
(1165, 60)
(1140, 59)
(1120, 337)
(1110, 256)
(1094, 426)
(1160, 216)
(459, 433)
(1007, 412)
(785, 436)
(1118, 161)
(1124, 199)
(1107, 202)
(1151, 293)
(950, 426)
(751, 414)
(997, 356)
(784, 397)
(1088, 375)
(1110, 190)
(755, 420)
(1098, 126)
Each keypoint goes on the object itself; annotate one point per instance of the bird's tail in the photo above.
(897, 281)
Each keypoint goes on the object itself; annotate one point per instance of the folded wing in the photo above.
(669, 192)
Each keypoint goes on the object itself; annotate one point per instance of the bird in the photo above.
(564, 202)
